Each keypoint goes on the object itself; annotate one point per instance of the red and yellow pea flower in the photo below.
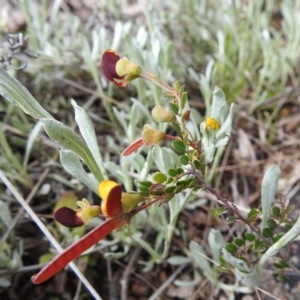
(120, 71)
(118, 207)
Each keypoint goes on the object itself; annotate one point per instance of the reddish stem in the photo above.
(73, 251)
(87, 241)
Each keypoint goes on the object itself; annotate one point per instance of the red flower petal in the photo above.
(68, 217)
(112, 206)
(108, 65)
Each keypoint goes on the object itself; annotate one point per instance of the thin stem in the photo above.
(229, 206)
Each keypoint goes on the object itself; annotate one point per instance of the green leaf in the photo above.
(253, 214)
(268, 191)
(192, 183)
(239, 242)
(172, 172)
(179, 171)
(183, 100)
(45, 258)
(289, 209)
(219, 210)
(271, 223)
(16, 93)
(87, 130)
(277, 237)
(159, 177)
(176, 127)
(170, 180)
(249, 236)
(176, 85)
(178, 146)
(179, 189)
(230, 247)
(144, 185)
(67, 138)
(196, 164)
(158, 192)
(231, 219)
(168, 197)
(183, 182)
(258, 246)
(284, 264)
(174, 108)
(277, 266)
(170, 189)
(281, 264)
(184, 160)
(276, 211)
(72, 164)
(287, 227)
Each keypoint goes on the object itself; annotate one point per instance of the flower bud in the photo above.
(160, 114)
(152, 136)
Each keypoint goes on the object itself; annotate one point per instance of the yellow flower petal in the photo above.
(105, 187)
(212, 124)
